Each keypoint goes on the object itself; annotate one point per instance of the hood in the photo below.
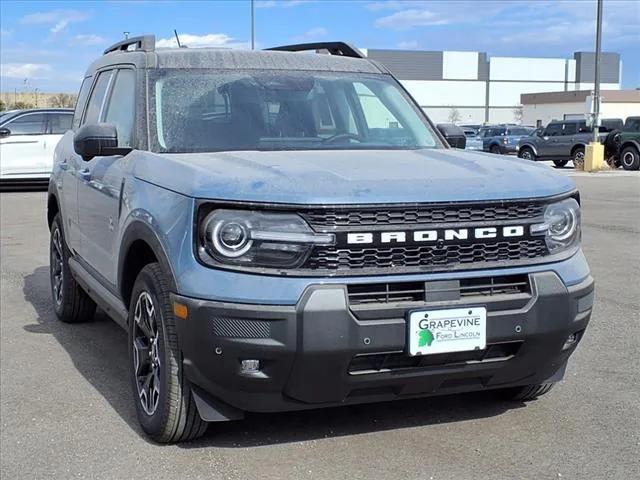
(350, 176)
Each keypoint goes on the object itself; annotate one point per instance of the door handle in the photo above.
(84, 173)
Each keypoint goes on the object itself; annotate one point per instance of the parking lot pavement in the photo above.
(66, 410)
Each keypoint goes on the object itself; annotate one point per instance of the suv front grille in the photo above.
(424, 214)
(333, 259)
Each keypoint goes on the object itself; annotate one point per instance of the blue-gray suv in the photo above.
(283, 231)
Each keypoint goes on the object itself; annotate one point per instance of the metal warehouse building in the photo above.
(484, 89)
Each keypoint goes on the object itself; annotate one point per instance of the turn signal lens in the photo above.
(180, 310)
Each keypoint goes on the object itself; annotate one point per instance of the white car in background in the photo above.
(27, 141)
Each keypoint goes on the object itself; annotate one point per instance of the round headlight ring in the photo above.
(231, 239)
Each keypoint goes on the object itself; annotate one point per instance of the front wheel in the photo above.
(527, 154)
(526, 393)
(630, 158)
(164, 402)
(560, 163)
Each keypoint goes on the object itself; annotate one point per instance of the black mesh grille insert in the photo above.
(385, 362)
(240, 328)
(372, 293)
(424, 214)
(334, 259)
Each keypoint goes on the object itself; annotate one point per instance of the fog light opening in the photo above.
(250, 366)
(571, 340)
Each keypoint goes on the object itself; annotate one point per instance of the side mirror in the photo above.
(96, 140)
(453, 134)
(4, 132)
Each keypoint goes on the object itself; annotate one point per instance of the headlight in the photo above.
(561, 226)
(241, 237)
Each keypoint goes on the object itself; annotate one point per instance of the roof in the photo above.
(580, 96)
(223, 59)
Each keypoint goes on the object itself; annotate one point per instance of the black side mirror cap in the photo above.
(4, 132)
(96, 140)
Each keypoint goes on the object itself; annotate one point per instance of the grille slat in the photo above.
(422, 214)
(371, 293)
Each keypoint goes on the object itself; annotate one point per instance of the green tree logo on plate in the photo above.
(425, 338)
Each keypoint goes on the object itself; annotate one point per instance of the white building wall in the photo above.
(527, 69)
(447, 93)
(505, 94)
(557, 111)
(460, 65)
(603, 86)
(467, 115)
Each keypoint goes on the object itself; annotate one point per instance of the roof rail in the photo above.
(146, 43)
(334, 48)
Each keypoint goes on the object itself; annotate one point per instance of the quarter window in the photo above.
(120, 110)
(94, 109)
(30, 124)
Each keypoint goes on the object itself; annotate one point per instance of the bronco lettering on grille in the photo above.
(451, 235)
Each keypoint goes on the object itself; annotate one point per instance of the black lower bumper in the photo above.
(324, 352)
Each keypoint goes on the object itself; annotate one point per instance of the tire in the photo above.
(164, 402)
(560, 163)
(70, 302)
(578, 158)
(526, 393)
(630, 158)
(526, 153)
(495, 149)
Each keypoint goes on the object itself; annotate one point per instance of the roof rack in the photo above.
(146, 43)
(334, 48)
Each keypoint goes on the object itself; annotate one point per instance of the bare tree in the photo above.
(517, 114)
(63, 100)
(454, 115)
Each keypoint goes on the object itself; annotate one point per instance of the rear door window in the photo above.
(59, 123)
(29, 124)
(569, 129)
(96, 101)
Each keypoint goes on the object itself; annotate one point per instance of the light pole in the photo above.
(253, 25)
(596, 83)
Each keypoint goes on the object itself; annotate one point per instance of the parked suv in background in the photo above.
(562, 141)
(285, 231)
(27, 141)
(627, 144)
(502, 138)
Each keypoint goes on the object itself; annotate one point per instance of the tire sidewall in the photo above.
(575, 154)
(635, 163)
(66, 271)
(152, 424)
(527, 149)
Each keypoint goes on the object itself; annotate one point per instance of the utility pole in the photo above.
(253, 25)
(596, 83)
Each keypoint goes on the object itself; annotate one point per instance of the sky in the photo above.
(49, 44)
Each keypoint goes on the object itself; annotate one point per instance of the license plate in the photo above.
(445, 331)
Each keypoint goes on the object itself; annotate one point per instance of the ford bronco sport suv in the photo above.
(562, 141)
(283, 231)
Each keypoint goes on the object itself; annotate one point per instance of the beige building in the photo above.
(541, 108)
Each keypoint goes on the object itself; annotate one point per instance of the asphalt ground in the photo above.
(66, 408)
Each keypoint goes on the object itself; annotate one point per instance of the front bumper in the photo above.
(324, 351)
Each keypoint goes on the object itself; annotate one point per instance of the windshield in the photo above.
(209, 111)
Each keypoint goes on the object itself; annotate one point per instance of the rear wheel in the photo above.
(560, 163)
(526, 393)
(164, 403)
(527, 153)
(630, 158)
(578, 158)
(495, 149)
(70, 302)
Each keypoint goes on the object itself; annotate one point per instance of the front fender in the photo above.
(530, 145)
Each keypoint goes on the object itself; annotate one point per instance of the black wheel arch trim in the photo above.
(630, 143)
(529, 145)
(139, 230)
